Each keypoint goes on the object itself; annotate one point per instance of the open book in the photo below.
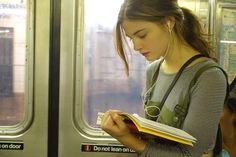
(146, 126)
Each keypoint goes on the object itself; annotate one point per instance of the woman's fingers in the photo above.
(113, 123)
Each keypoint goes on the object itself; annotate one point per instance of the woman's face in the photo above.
(149, 39)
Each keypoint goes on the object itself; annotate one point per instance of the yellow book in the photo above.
(146, 126)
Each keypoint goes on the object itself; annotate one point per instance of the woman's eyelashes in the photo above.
(141, 36)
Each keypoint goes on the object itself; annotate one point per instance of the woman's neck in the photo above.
(177, 56)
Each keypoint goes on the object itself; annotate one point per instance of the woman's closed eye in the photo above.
(142, 36)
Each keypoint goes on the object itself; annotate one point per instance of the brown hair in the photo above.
(187, 26)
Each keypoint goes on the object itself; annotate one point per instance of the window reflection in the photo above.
(12, 61)
(227, 41)
(105, 84)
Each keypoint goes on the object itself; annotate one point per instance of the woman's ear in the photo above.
(169, 27)
(170, 22)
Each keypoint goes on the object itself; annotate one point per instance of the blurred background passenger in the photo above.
(228, 123)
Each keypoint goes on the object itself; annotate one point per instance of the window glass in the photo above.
(227, 40)
(105, 85)
(12, 61)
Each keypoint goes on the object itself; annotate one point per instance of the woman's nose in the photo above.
(137, 45)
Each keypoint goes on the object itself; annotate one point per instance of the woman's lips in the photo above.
(145, 54)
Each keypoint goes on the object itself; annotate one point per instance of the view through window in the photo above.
(12, 61)
(105, 83)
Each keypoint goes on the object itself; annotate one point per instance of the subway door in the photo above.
(24, 62)
(92, 79)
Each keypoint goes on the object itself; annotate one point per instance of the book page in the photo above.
(154, 128)
(162, 128)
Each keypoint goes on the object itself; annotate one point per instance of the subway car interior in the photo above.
(59, 69)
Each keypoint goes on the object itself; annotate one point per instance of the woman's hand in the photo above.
(114, 125)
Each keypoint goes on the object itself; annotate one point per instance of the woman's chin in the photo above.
(152, 58)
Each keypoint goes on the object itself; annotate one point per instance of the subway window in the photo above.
(104, 82)
(227, 40)
(13, 64)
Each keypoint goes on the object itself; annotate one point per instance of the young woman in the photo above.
(169, 36)
(228, 124)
